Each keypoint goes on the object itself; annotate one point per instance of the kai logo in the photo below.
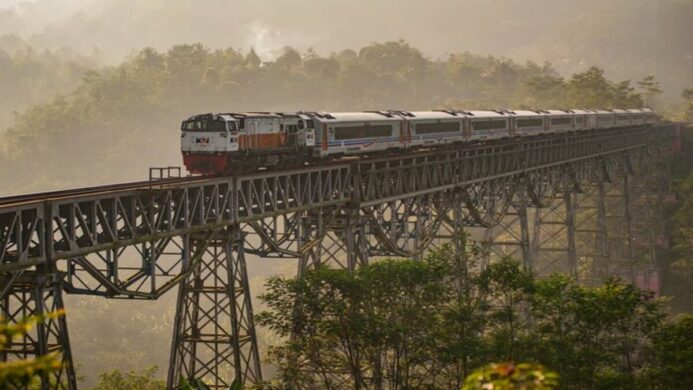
(202, 140)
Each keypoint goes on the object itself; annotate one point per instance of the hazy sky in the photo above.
(436, 26)
(629, 38)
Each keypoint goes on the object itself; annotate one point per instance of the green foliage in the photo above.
(672, 355)
(592, 336)
(687, 95)
(430, 323)
(379, 317)
(508, 376)
(141, 380)
(592, 89)
(198, 384)
(20, 373)
(29, 77)
(650, 89)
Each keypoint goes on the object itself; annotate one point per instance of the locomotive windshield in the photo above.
(206, 125)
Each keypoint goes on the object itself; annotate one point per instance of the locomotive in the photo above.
(226, 143)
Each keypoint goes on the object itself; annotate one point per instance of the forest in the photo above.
(71, 120)
(135, 108)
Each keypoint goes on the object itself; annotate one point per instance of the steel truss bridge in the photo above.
(564, 202)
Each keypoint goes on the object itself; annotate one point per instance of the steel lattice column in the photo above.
(334, 237)
(618, 221)
(510, 237)
(646, 203)
(602, 242)
(33, 294)
(214, 334)
(591, 234)
(554, 236)
(452, 225)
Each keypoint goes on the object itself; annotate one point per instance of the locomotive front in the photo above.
(206, 141)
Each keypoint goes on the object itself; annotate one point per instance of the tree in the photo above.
(593, 337)
(252, 60)
(509, 287)
(417, 324)
(464, 311)
(289, 59)
(508, 376)
(650, 89)
(117, 380)
(688, 96)
(20, 373)
(590, 89)
(376, 320)
(393, 58)
(671, 355)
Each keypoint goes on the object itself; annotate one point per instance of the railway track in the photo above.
(16, 200)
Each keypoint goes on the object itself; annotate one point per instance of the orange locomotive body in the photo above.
(220, 143)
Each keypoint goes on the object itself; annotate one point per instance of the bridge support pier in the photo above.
(214, 334)
(332, 237)
(591, 233)
(35, 293)
(554, 236)
(646, 204)
(510, 237)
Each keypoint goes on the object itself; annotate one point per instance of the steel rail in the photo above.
(17, 200)
(23, 199)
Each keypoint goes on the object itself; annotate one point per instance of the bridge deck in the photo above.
(40, 228)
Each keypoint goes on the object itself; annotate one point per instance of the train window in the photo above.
(241, 123)
(530, 122)
(353, 132)
(232, 126)
(578, 120)
(489, 125)
(602, 120)
(442, 127)
(215, 126)
(300, 124)
(622, 118)
(309, 123)
(193, 125)
(560, 121)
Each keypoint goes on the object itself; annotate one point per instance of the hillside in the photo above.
(121, 120)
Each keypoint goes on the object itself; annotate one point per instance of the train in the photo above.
(230, 143)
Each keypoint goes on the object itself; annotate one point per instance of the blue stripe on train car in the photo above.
(362, 141)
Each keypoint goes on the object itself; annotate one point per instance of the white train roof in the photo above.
(487, 114)
(355, 117)
(527, 113)
(559, 112)
(434, 115)
(580, 111)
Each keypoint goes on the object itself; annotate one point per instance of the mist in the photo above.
(629, 38)
(82, 102)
